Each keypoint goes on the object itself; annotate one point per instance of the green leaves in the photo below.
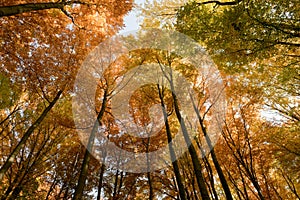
(9, 92)
(242, 33)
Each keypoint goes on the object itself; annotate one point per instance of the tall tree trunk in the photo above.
(87, 156)
(15, 109)
(172, 152)
(116, 185)
(148, 172)
(9, 189)
(16, 184)
(120, 182)
(61, 190)
(193, 153)
(194, 189)
(101, 177)
(51, 187)
(16, 192)
(210, 173)
(150, 186)
(255, 183)
(213, 155)
(11, 158)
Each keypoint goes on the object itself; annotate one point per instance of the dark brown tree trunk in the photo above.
(51, 188)
(172, 152)
(16, 192)
(148, 172)
(290, 184)
(100, 181)
(61, 190)
(15, 184)
(16, 108)
(8, 190)
(210, 172)
(221, 176)
(17, 149)
(194, 189)
(102, 170)
(193, 153)
(29, 7)
(150, 186)
(116, 186)
(213, 155)
(87, 156)
(244, 183)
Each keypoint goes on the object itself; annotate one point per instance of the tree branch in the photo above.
(6, 11)
(228, 3)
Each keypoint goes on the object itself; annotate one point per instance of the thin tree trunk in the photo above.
(16, 185)
(120, 182)
(172, 152)
(244, 182)
(290, 184)
(150, 186)
(102, 170)
(87, 156)
(61, 190)
(51, 188)
(116, 185)
(9, 115)
(66, 196)
(191, 148)
(213, 155)
(210, 172)
(17, 149)
(194, 189)
(9, 189)
(148, 172)
(221, 176)
(100, 181)
(237, 190)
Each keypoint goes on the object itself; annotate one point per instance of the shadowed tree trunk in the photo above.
(213, 155)
(195, 160)
(87, 156)
(192, 151)
(172, 152)
(148, 172)
(116, 185)
(101, 177)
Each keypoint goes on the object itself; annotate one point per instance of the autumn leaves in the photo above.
(155, 117)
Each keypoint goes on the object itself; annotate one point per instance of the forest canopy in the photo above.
(254, 46)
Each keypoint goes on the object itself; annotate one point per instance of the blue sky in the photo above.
(131, 20)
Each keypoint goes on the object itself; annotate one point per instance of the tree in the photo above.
(259, 44)
(11, 157)
(241, 32)
(172, 152)
(254, 45)
(42, 47)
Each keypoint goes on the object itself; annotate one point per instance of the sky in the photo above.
(131, 20)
